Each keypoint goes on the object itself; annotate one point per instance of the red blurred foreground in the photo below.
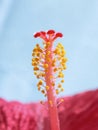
(79, 112)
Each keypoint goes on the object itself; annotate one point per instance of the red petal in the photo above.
(59, 35)
(50, 32)
(37, 34)
(43, 33)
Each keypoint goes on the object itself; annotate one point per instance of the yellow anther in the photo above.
(62, 89)
(54, 60)
(34, 63)
(42, 74)
(64, 67)
(62, 81)
(36, 68)
(51, 76)
(61, 75)
(48, 59)
(53, 64)
(47, 53)
(33, 59)
(60, 68)
(57, 91)
(53, 83)
(40, 50)
(45, 66)
(55, 69)
(33, 54)
(59, 85)
(47, 87)
(59, 44)
(36, 59)
(48, 43)
(40, 82)
(38, 76)
(35, 73)
(38, 54)
(64, 60)
(55, 51)
(43, 56)
(63, 51)
(35, 50)
(43, 91)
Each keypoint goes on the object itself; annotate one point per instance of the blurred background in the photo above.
(19, 19)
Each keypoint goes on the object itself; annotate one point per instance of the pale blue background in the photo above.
(19, 19)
